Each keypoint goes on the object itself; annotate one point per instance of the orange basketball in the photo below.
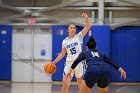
(50, 68)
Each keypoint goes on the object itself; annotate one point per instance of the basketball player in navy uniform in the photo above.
(98, 68)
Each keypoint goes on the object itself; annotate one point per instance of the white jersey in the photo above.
(73, 46)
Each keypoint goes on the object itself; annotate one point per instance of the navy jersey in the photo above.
(94, 57)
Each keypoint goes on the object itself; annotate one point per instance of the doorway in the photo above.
(31, 49)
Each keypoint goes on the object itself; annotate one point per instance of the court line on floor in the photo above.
(120, 88)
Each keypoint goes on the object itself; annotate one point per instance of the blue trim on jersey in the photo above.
(64, 70)
(83, 70)
(64, 73)
(82, 46)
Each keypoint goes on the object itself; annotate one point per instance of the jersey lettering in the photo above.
(95, 54)
(72, 45)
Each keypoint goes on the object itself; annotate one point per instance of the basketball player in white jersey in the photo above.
(72, 45)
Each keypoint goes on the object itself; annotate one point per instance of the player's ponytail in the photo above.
(91, 43)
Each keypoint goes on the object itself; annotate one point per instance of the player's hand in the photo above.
(68, 75)
(122, 72)
(84, 15)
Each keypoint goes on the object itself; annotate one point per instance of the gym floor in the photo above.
(8, 87)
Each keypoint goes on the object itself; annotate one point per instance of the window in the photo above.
(3, 32)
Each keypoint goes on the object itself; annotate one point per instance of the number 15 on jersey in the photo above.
(73, 50)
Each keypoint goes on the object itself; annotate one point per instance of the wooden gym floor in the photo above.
(8, 87)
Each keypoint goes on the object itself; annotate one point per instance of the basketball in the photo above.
(50, 68)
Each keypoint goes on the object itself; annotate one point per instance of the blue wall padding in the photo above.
(5, 52)
(57, 46)
(125, 47)
(102, 37)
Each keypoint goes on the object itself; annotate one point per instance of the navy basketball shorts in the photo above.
(99, 74)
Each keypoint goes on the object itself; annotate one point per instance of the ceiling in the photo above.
(52, 12)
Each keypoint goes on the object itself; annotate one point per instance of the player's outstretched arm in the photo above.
(60, 56)
(87, 26)
(109, 61)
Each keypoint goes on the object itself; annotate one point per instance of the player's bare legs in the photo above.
(102, 90)
(84, 88)
(79, 81)
(66, 84)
